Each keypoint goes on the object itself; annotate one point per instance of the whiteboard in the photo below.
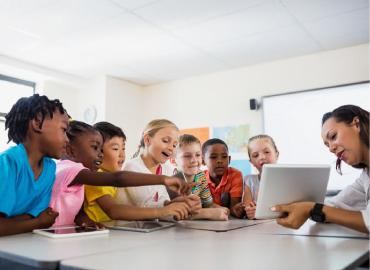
(294, 122)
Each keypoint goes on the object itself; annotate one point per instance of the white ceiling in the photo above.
(152, 41)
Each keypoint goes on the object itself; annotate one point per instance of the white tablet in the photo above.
(138, 226)
(283, 184)
(70, 231)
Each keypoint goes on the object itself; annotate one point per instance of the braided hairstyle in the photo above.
(26, 109)
(346, 114)
(77, 128)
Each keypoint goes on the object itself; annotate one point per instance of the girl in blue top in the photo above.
(27, 172)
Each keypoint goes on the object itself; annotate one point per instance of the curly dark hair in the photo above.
(26, 109)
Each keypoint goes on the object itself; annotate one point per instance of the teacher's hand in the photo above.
(294, 214)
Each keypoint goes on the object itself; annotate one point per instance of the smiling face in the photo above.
(343, 140)
(161, 146)
(114, 154)
(189, 158)
(53, 137)
(216, 158)
(87, 149)
(262, 152)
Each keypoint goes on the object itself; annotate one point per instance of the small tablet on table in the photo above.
(138, 226)
(70, 231)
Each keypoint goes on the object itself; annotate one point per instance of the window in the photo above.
(11, 89)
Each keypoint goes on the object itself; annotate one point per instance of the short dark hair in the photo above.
(187, 139)
(108, 130)
(346, 114)
(27, 109)
(210, 142)
(77, 128)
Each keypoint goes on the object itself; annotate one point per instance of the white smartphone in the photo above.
(70, 231)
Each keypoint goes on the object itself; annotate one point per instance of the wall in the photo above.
(76, 98)
(222, 98)
(124, 108)
(216, 99)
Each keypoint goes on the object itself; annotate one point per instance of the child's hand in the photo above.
(238, 210)
(178, 185)
(194, 202)
(83, 220)
(47, 218)
(91, 224)
(219, 213)
(177, 210)
(250, 210)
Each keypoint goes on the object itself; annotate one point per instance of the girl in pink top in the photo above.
(84, 156)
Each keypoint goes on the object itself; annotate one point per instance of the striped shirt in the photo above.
(202, 190)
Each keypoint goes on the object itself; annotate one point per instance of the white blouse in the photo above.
(355, 197)
(144, 196)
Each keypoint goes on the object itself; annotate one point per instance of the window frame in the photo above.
(16, 81)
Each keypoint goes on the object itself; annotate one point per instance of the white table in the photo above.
(310, 228)
(42, 252)
(236, 249)
(255, 246)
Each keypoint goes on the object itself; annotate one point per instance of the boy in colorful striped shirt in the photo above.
(189, 160)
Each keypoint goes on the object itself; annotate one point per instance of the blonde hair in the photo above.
(151, 129)
(262, 136)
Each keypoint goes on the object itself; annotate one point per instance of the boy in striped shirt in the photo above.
(189, 160)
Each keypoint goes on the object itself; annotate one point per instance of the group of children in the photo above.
(93, 182)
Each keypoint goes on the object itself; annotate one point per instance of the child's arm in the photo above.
(25, 223)
(129, 179)
(220, 213)
(193, 201)
(237, 207)
(236, 193)
(250, 205)
(247, 198)
(178, 210)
